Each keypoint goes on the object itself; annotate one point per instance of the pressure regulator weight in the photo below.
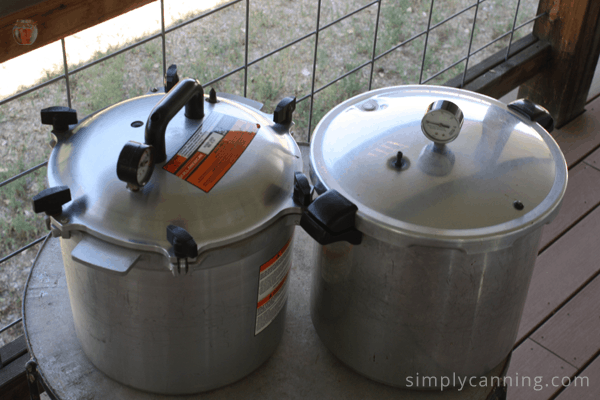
(135, 164)
(442, 121)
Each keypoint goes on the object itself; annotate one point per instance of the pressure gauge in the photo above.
(442, 121)
(135, 164)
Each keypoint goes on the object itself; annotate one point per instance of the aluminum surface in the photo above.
(300, 368)
(438, 285)
(175, 335)
(459, 196)
(221, 316)
(391, 313)
(252, 194)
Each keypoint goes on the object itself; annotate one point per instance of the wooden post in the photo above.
(496, 77)
(573, 29)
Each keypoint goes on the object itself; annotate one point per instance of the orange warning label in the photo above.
(212, 150)
(221, 159)
(273, 293)
(275, 257)
(189, 166)
(272, 287)
(173, 165)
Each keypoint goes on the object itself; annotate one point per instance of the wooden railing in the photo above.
(57, 19)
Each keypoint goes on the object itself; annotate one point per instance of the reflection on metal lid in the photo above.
(466, 187)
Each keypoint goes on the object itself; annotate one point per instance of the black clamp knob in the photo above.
(184, 245)
(284, 110)
(302, 190)
(171, 78)
(534, 112)
(330, 218)
(59, 117)
(51, 200)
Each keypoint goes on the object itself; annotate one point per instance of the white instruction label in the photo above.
(210, 143)
(272, 287)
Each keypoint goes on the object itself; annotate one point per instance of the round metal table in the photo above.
(301, 367)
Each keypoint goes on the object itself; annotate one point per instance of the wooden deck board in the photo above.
(594, 159)
(531, 370)
(586, 386)
(564, 296)
(583, 194)
(561, 270)
(581, 136)
(573, 333)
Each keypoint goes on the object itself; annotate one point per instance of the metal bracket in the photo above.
(179, 269)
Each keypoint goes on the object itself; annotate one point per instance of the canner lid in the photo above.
(467, 190)
(241, 184)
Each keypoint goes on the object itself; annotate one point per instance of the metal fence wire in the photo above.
(319, 27)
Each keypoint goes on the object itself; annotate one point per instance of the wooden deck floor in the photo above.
(559, 336)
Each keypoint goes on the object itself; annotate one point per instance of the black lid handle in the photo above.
(188, 92)
(330, 218)
(534, 112)
(51, 200)
(184, 245)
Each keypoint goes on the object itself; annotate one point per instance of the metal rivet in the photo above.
(369, 105)
(137, 124)
(518, 205)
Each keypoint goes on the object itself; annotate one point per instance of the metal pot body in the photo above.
(432, 201)
(175, 233)
(178, 335)
(395, 313)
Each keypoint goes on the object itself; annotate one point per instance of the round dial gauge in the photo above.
(143, 169)
(442, 121)
(135, 164)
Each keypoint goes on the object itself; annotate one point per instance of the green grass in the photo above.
(107, 83)
(350, 86)
(21, 225)
(396, 23)
(108, 88)
(100, 86)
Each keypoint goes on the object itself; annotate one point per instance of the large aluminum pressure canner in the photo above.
(431, 207)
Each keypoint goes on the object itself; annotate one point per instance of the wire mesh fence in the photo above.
(321, 51)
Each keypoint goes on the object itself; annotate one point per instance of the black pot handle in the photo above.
(534, 112)
(187, 92)
(328, 219)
